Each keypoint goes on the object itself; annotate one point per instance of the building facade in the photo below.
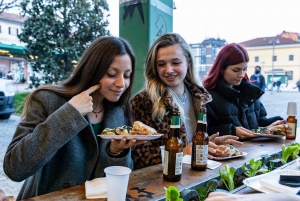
(12, 60)
(278, 56)
(205, 54)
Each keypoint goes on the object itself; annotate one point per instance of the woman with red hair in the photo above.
(235, 108)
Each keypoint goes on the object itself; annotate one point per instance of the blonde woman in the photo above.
(171, 81)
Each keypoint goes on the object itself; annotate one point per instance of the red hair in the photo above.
(230, 54)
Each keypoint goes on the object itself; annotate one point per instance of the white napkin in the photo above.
(273, 185)
(210, 163)
(96, 188)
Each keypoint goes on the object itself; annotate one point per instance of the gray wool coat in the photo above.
(54, 147)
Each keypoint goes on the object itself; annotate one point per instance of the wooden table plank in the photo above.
(148, 183)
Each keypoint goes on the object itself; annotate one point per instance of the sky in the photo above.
(232, 20)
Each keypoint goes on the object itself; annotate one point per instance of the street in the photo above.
(275, 104)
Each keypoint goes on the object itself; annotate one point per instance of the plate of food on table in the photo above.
(227, 152)
(278, 131)
(139, 131)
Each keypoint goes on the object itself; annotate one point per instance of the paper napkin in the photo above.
(96, 188)
(273, 185)
(210, 163)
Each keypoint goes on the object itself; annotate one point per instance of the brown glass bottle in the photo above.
(292, 127)
(173, 151)
(200, 143)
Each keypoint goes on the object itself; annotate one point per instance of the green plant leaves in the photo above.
(291, 150)
(209, 187)
(172, 194)
(253, 168)
(227, 176)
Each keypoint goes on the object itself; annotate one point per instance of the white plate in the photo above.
(128, 137)
(229, 157)
(254, 182)
(270, 136)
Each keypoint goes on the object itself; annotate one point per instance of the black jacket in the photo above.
(237, 106)
(259, 81)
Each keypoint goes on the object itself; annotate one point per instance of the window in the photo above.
(291, 57)
(13, 31)
(274, 58)
(256, 59)
(202, 70)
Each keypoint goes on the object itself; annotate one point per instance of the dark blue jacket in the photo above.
(237, 106)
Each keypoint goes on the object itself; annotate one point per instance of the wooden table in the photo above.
(148, 183)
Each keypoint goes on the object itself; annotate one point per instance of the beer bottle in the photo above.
(291, 120)
(200, 143)
(173, 150)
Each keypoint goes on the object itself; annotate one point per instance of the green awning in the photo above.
(13, 50)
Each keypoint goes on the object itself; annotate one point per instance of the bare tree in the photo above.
(4, 4)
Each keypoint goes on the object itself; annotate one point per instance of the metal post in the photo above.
(141, 22)
(273, 41)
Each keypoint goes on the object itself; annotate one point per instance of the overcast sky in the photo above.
(232, 20)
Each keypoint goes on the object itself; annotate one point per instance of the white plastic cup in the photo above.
(292, 109)
(162, 151)
(117, 178)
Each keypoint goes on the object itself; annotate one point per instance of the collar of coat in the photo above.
(199, 94)
(246, 92)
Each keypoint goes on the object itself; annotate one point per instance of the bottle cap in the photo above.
(292, 109)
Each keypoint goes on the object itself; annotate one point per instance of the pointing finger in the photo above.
(92, 89)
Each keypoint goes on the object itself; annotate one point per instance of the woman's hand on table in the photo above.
(117, 146)
(225, 139)
(188, 149)
(251, 197)
(244, 133)
(278, 122)
(212, 149)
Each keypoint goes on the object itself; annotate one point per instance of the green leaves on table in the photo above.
(254, 167)
(291, 150)
(227, 177)
(209, 187)
(172, 194)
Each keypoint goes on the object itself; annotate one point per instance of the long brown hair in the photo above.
(230, 54)
(91, 68)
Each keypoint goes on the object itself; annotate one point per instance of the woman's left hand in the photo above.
(278, 122)
(225, 139)
(117, 146)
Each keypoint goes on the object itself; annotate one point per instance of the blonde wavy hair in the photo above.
(155, 87)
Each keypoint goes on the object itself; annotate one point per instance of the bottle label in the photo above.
(201, 154)
(291, 130)
(202, 118)
(178, 163)
(178, 167)
(175, 122)
(166, 162)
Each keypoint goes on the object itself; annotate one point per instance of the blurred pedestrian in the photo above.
(278, 83)
(298, 85)
(258, 79)
(10, 75)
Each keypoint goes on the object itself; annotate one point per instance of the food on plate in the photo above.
(227, 151)
(123, 130)
(272, 130)
(141, 127)
(138, 128)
